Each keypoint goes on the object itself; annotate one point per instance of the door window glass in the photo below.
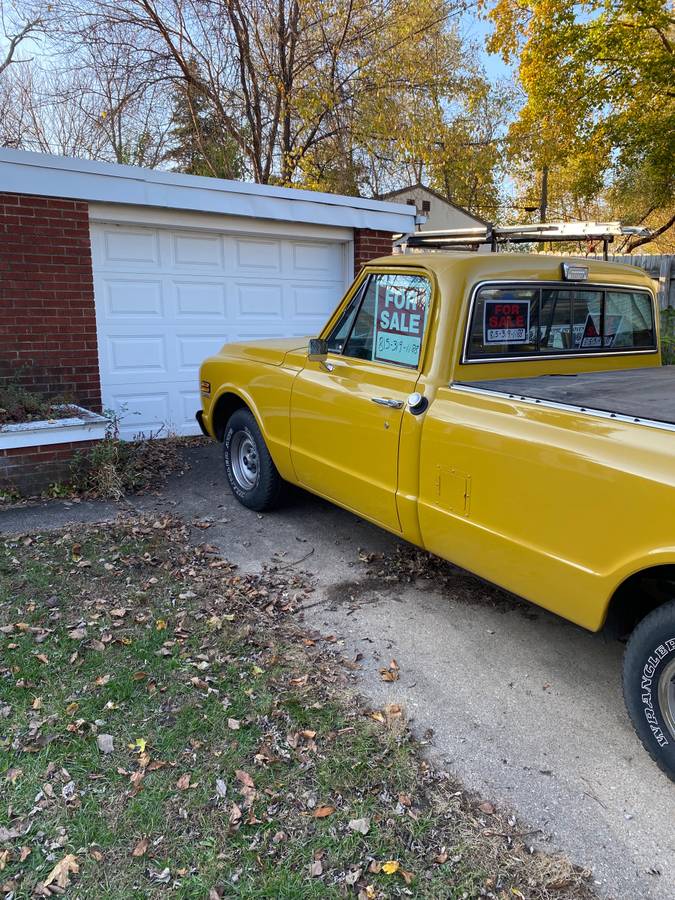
(340, 333)
(390, 324)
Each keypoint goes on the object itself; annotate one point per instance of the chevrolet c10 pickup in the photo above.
(508, 412)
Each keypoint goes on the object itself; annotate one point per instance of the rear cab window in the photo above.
(528, 320)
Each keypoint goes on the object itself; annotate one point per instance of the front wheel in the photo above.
(649, 684)
(249, 468)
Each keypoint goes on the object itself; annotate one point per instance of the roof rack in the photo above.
(498, 235)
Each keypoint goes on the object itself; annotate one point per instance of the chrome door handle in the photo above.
(388, 401)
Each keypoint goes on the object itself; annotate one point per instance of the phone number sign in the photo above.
(506, 322)
(401, 313)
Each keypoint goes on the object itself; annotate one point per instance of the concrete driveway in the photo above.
(525, 708)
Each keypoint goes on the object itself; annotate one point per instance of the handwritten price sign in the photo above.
(400, 318)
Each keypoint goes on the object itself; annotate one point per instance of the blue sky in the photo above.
(477, 29)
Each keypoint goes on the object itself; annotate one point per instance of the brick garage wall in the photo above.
(47, 314)
(369, 244)
(30, 470)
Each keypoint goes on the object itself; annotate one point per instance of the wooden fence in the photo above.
(660, 268)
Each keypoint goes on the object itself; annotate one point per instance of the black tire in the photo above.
(257, 484)
(649, 685)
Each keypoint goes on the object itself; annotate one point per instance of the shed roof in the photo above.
(23, 172)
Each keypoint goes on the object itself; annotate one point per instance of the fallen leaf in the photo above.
(486, 807)
(322, 811)
(235, 814)
(105, 743)
(13, 775)
(163, 877)
(160, 625)
(352, 877)
(60, 874)
(407, 876)
(391, 867)
(244, 778)
(316, 868)
(24, 853)
(221, 788)
(102, 680)
(391, 673)
(141, 847)
(77, 634)
(233, 724)
(360, 825)
(183, 782)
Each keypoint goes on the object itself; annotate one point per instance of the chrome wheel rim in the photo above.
(667, 696)
(244, 457)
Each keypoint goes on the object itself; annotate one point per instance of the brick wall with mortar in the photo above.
(369, 244)
(47, 315)
(31, 470)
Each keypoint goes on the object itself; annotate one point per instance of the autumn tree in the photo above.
(198, 144)
(322, 93)
(599, 111)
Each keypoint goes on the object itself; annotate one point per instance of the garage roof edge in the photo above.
(24, 172)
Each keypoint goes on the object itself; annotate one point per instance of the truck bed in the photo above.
(642, 394)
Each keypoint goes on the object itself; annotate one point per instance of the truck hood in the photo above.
(271, 351)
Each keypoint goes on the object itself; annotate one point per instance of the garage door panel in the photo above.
(129, 354)
(125, 297)
(141, 413)
(261, 300)
(201, 251)
(314, 301)
(124, 245)
(189, 403)
(318, 260)
(166, 298)
(200, 300)
(252, 255)
(193, 349)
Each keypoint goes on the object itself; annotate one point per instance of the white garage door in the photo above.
(165, 299)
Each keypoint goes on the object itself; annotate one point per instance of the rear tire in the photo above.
(251, 473)
(649, 685)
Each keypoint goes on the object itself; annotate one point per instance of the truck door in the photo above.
(346, 413)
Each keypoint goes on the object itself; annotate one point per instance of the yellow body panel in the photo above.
(557, 506)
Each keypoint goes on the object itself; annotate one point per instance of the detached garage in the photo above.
(116, 282)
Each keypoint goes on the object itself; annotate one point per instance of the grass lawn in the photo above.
(168, 728)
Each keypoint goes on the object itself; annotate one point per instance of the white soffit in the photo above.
(22, 172)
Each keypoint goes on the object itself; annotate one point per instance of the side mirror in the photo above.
(317, 351)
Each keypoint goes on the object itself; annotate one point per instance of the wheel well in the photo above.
(637, 596)
(226, 404)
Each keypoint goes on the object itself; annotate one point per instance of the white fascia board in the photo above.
(115, 214)
(22, 172)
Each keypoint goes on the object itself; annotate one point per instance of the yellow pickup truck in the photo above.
(508, 412)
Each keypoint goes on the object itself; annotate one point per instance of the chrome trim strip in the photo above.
(565, 407)
(538, 284)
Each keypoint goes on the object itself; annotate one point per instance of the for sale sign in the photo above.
(506, 322)
(400, 314)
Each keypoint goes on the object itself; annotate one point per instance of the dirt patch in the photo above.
(408, 564)
(355, 592)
